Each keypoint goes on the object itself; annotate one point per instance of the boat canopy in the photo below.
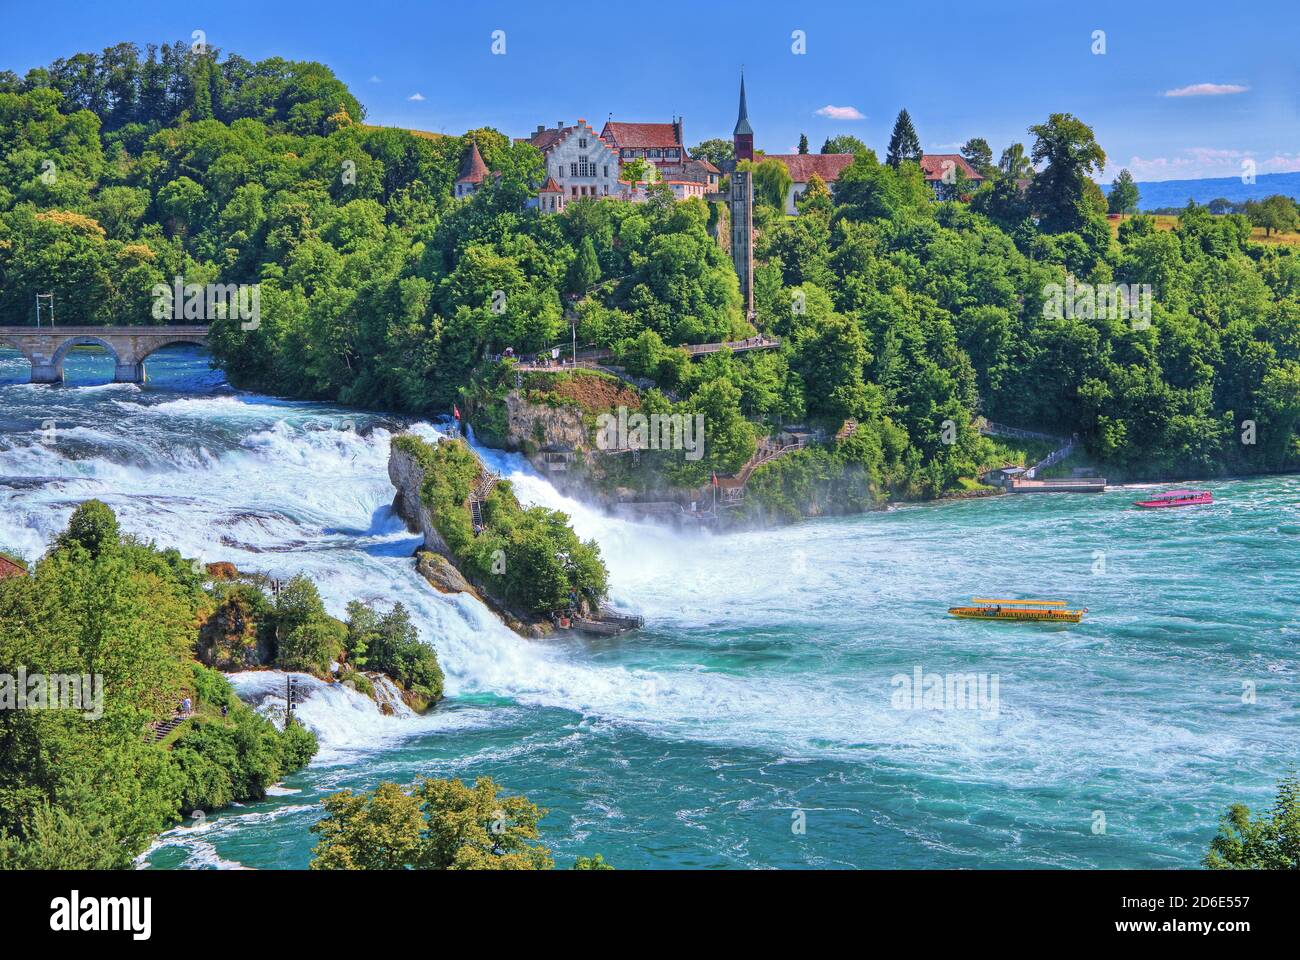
(1021, 603)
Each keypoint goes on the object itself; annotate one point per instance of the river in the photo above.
(755, 721)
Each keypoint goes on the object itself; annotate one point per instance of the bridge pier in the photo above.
(129, 373)
(46, 372)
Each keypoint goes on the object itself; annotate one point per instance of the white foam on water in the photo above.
(288, 488)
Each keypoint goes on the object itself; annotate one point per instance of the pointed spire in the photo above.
(742, 121)
(472, 167)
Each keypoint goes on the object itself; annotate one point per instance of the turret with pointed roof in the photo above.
(743, 135)
(473, 171)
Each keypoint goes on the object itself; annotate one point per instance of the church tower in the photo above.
(742, 137)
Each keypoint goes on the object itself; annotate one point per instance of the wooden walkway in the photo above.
(1001, 430)
(591, 357)
(733, 487)
(487, 482)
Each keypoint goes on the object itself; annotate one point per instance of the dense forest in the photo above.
(120, 171)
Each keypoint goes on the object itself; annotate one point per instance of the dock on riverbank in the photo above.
(1063, 485)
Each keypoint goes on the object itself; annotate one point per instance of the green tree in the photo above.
(93, 527)
(772, 183)
(1270, 841)
(979, 155)
(1014, 164)
(307, 638)
(1123, 194)
(79, 792)
(1276, 213)
(903, 142)
(843, 143)
(380, 830)
(584, 272)
(440, 825)
(716, 151)
(803, 143)
(1072, 155)
(636, 171)
(476, 828)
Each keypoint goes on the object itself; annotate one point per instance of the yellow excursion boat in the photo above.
(1052, 611)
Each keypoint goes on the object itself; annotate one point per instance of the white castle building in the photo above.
(578, 160)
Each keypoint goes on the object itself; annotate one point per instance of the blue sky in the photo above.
(960, 70)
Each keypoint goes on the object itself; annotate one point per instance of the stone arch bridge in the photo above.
(47, 347)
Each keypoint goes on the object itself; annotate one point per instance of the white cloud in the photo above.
(840, 113)
(416, 97)
(375, 79)
(1198, 162)
(1206, 90)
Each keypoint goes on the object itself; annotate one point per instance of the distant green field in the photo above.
(1166, 221)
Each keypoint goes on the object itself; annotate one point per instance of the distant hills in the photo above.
(1155, 195)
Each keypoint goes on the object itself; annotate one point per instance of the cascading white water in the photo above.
(283, 488)
(763, 677)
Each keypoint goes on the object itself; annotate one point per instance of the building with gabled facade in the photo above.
(580, 163)
(657, 143)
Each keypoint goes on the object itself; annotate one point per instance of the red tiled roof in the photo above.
(543, 140)
(472, 168)
(10, 569)
(932, 166)
(802, 166)
(641, 136)
(550, 186)
(704, 165)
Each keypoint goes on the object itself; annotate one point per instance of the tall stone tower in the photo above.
(741, 204)
(742, 234)
(742, 137)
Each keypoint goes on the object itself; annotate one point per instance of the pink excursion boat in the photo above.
(1177, 498)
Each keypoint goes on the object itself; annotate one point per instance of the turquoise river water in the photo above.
(761, 717)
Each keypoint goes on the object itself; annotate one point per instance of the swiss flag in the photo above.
(715, 478)
(455, 411)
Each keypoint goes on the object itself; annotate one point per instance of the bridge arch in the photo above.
(16, 343)
(153, 347)
(65, 346)
(17, 346)
(61, 353)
